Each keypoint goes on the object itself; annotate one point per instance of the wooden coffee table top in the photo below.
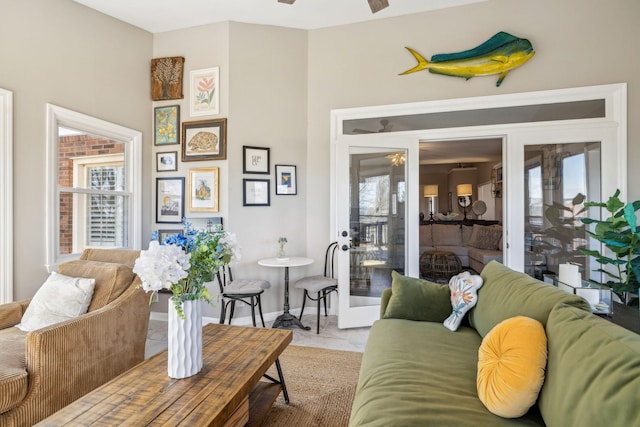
(234, 360)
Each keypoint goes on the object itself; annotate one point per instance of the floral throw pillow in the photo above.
(464, 295)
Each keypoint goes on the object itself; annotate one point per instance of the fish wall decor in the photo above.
(500, 54)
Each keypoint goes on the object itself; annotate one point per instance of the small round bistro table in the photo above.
(286, 319)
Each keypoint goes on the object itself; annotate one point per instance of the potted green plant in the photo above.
(619, 234)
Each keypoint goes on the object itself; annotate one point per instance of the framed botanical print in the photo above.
(255, 192)
(255, 160)
(169, 200)
(166, 125)
(203, 189)
(166, 78)
(167, 161)
(286, 180)
(204, 92)
(204, 140)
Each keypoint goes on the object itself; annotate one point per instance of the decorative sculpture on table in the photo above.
(500, 54)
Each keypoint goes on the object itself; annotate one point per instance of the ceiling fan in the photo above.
(375, 5)
(386, 127)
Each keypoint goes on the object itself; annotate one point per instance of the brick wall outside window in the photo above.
(70, 147)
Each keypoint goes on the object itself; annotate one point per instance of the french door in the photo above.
(551, 172)
(547, 137)
(377, 188)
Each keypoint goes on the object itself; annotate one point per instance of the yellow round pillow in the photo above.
(511, 364)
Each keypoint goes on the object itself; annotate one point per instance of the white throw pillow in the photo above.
(60, 298)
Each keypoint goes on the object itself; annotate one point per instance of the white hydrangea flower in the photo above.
(231, 243)
(161, 266)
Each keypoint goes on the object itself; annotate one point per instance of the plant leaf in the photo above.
(630, 216)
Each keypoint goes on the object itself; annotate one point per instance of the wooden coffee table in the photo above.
(227, 392)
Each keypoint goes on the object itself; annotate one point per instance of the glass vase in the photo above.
(281, 252)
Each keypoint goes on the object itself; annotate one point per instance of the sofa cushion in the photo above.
(111, 279)
(59, 298)
(467, 230)
(507, 293)
(13, 370)
(485, 256)
(593, 371)
(485, 237)
(446, 235)
(425, 236)
(417, 299)
(511, 363)
(418, 373)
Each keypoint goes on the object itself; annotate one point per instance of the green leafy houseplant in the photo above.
(621, 236)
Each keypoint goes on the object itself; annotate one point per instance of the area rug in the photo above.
(321, 385)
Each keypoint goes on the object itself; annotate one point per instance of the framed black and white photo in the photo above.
(255, 160)
(286, 180)
(255, 192)
(169, 200)
(167, 161)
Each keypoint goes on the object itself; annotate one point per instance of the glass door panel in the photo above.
(559, 178)
(375, 176)
(377, 187)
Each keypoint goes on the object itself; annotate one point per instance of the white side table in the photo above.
(286, 319)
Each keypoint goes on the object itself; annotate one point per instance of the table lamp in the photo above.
(465, 191)
(431, 191)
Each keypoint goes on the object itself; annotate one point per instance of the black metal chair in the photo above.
(321, 285)
(247, 291)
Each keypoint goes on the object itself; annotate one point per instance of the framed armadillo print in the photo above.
(204, 140)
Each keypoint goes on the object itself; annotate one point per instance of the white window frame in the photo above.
(80, 166)
(6, 196)
(61, 117)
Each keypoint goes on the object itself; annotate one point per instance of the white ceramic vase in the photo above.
(184, 340)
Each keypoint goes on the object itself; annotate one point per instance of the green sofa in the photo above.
(418, 373)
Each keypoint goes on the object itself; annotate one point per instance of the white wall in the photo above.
(577, 43)
(57, 51)
(263, 96)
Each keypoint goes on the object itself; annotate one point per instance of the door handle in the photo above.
(345, 247)
(345, 233)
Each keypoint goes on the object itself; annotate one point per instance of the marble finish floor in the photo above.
(330, 336)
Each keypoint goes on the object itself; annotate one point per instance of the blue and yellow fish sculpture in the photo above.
(500, 54)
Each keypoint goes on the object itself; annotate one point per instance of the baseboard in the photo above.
(240, 321)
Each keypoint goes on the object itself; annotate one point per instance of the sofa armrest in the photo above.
(69, 359)
(384, 301)
(11, 313)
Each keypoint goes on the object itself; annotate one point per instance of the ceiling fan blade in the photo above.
(378, 5)
(286, 1)
(359, 131)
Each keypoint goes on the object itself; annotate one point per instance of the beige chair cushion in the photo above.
(315, 284)
(246, 286)
(111, 279)
(13, 370)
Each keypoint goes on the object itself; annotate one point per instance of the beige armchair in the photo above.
(44, 370)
